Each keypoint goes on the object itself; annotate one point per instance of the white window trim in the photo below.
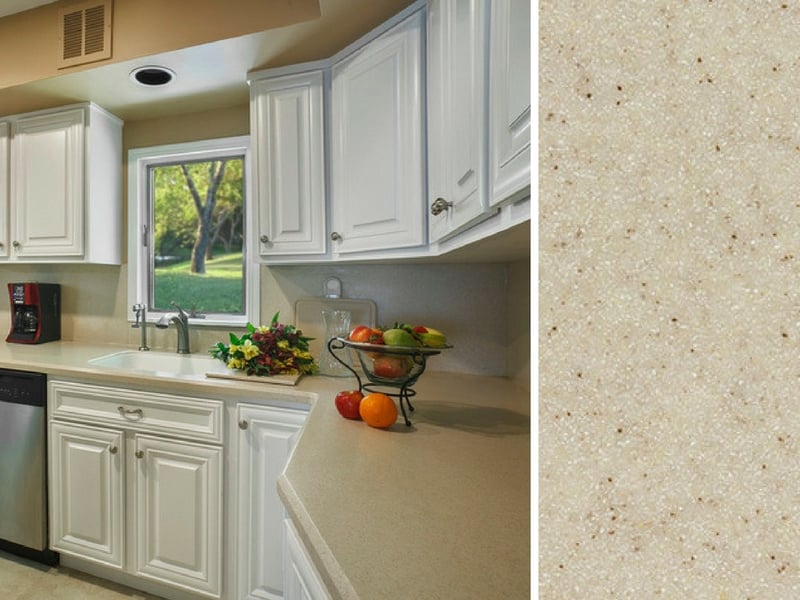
(139, 159)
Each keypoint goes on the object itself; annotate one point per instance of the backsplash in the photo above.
(470, 302)
(668, 307)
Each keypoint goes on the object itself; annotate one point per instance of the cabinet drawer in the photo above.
(195, 418)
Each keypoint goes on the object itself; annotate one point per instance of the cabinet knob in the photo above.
(16, 244)
(243, 424)
(113, 450)
(2, 245)
(139, 454)
(439, 206)
(264, 239)
(336, 236)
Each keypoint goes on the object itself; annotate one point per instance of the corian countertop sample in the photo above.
(440, 509)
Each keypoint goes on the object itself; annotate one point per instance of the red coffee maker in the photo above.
(35, 312)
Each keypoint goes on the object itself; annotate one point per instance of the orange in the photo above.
(378, 410)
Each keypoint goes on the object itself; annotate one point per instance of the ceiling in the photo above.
(208, 76)
(10, 7)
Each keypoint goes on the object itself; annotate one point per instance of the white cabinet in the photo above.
(377, 167)
(87, 492)
(265, 438)
(301, 580)
(287, 124)
(65, 186)
(179, 513)
(4, 183)
(457, 115)
(127, 493)
(510, 100)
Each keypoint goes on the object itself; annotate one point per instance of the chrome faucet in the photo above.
(141, 323)
(181, 320)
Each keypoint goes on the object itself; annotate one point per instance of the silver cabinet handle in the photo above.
(243, 424)
(264, 239)
(139, 454)
(113, 450)
(336, 236)
(129, 412)
(439, 206)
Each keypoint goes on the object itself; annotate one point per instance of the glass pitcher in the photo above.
(337, 324)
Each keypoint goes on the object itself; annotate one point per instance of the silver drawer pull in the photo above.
(129, 412)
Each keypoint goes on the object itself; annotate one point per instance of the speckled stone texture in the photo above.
(669, 306)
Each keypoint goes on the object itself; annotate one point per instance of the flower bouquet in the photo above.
(275, 350)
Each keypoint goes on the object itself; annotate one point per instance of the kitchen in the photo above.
(478, 293)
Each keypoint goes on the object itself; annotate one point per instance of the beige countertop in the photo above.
(440, 509)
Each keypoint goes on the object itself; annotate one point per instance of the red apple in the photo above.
(348, 402)
(360, 334)
(391, 367)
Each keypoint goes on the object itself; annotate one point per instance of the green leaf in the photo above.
(275, 318)
(234, 339)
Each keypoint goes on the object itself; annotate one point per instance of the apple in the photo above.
(390, 367)
(420, 329)
(360, 334)
(348, 403)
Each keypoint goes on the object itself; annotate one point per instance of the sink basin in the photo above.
(168, 364)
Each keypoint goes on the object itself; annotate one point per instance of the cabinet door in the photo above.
(4, 172)
(510, 100)
(47, 183)
(301, 580)
(86, 492)
(266, 438)
(178, 513)
(290, 164)
(457, 114)
(376, 153)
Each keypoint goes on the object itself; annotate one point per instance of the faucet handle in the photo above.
(140, 314)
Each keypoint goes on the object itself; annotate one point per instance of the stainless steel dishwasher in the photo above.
(23, 465)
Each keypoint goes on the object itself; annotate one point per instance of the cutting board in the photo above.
(308, 317)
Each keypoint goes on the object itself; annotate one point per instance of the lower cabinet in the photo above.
(127, 498)
(266, 437)
(301, 580)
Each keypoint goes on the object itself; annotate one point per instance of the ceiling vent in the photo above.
(84, 33)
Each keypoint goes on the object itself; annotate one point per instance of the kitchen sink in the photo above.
(168, 364)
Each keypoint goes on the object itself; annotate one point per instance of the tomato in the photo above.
(376, 336)
(390, 367)
(348, 403)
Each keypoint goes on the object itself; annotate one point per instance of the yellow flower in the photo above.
(283, 344)
(235, 363)
(234, 348)
(249, 349)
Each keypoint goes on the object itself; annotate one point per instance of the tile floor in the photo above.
(21, 579)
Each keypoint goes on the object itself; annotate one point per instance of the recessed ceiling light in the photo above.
(152, 76)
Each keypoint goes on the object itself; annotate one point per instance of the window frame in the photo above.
(139, 260)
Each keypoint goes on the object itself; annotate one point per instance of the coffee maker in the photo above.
(35, 312)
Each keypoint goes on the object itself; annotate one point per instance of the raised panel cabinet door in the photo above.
(86, 492)
(290, 164)
(377, 166)
(266, 436)
(302, 582)
(178, 512)
(47, 185)
(457, 115)
(5, 132)
(510, 100)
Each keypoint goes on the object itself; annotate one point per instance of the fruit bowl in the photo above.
(392, 366)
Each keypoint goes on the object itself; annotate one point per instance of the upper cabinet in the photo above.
(65, 187)
(4, 136)
(287, 124)
(457, 115)
(377, 169)
(510, 100)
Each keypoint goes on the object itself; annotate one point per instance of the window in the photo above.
(188, 231)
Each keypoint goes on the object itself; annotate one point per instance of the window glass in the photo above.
(189, 226)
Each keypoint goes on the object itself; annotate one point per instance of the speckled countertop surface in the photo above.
(669, 306)
(437, 510)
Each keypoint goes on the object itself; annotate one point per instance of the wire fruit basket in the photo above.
(396, 367)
